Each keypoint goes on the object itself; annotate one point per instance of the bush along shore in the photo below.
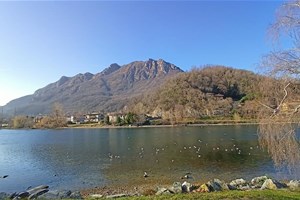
(232, 190)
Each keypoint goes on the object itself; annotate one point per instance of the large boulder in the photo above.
(204, 188)
(4, 195)
(294, 184)
(214, 186)
(186, 187)
(218, 185)
(35, 189)
(162, 190)
(37, 193)
(272, 185)
(176, 188)
(49, 195)
(238, 184)
(269, 184)
(23, 195)
(257, 182)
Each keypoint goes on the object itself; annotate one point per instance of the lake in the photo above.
(86, 158)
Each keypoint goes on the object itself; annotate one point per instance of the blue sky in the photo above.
(42, 41)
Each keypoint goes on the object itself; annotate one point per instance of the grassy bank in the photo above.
(256, 194)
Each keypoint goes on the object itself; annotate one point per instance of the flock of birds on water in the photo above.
(196, 148)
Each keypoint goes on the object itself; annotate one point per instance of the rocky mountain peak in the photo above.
(112, 68)
(108, 90)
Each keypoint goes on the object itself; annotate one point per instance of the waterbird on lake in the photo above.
(145, 175)
(5, 176)
(187, 176)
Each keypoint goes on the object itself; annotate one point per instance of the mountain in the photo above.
(106, 91)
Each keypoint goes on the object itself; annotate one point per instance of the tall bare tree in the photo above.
(280, 114)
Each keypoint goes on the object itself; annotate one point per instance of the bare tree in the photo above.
(279, 116)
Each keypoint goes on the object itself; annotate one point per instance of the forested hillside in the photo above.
(209, 92)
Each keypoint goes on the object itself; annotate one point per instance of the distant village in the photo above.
(113, 118)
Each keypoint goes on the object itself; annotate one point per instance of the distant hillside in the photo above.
(106, 91)
(214, 91)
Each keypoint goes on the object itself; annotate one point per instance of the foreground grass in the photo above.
(244, 195)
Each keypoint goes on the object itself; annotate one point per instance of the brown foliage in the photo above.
(280, 104)
(55, 120)
(22, 122)
(203, 92)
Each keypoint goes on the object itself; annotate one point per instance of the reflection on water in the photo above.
(81, 158)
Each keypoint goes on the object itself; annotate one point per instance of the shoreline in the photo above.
(160, 126)
(186, 186)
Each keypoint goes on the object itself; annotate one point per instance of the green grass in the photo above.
(244, 195)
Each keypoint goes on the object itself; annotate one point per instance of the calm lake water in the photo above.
(85, 158)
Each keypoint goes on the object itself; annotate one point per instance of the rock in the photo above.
(272, 185)
(244, 188)
(176, 188)
(257, 182)
(268, 184)
(41, 187)
(221, 184)
(115, 196)
(64, 194)
(76, 195)
(161, 191)
(294, 184)
(96, 196)
(237, 183)
(13, 195)
(23, 194)
(49, 195)
(37, 193)
(4, 195)
(214, 186)
(204, 188)
(186, 187)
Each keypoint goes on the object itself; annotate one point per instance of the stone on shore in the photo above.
(4, 195)
(64, 194)
(218, 185)
(203, 188)
(237, 184)
(37, 193)
(268, 184)
(176, 188)
(96, 196)
(272, 185)
(294, 184)
(76, 195)
(257, 182)
(35, 189)
(23, 194)
(161, 191)
(115, 196)
(49, 195)
(186, 187)
(214, 186)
